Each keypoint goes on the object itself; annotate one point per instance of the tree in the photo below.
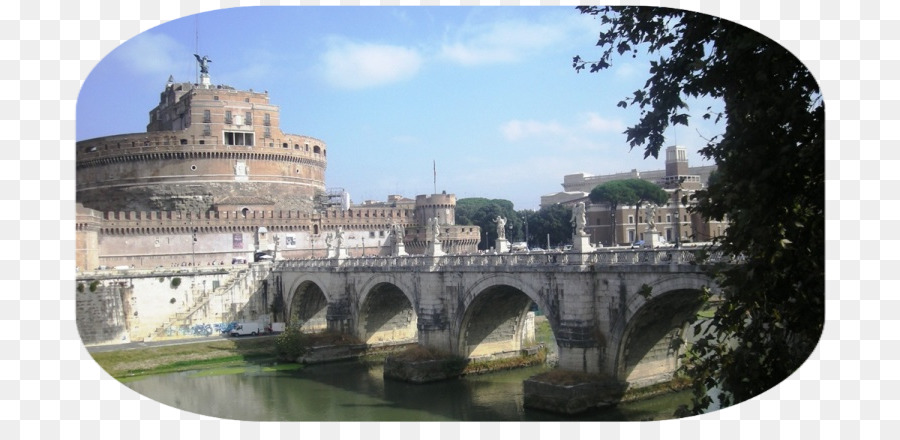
(613, 194)
(646, 192)
(551, 221)
(769, 185)
(482, 212)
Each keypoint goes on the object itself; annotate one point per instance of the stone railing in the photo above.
(662, 256)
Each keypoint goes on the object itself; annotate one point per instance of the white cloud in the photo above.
(151, 54)
(353, 65)
(515, 130)
(506, 41)
(596, 123)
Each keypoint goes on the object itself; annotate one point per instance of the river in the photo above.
(356, 391)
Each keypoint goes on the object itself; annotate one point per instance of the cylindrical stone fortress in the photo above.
(205, 147)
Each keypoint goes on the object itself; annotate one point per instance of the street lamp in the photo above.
(193, 242)
(526, 228)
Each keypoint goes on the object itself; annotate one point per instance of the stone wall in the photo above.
(141, 305)
(101, 313)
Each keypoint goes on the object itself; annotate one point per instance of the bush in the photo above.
(175, 282)
(80, 288)
(93, 286)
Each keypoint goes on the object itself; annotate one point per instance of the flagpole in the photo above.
(434, 165)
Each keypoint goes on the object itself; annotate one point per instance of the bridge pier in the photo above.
(580, 346)
(338, 316)
(434, 331)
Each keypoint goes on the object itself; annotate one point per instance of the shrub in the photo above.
(175, 282)
(93, 286)
(80, 288)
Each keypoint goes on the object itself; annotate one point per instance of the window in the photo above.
(206, 116)
(227, 116)
(316, 149)
(668, 218)
(206, 130)
(267, 133)
(238, 138)
(266, 120)
(248, 118)
(184, 142)
(630, 219)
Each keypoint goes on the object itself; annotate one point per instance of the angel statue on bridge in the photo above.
(578, 218)
(501, 227)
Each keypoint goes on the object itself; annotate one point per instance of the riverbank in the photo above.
(223, 353)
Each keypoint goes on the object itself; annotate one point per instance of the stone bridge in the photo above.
(618, 312)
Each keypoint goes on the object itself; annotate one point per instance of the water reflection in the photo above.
(355, 391)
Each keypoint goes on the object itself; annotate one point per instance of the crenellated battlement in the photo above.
(151, 222)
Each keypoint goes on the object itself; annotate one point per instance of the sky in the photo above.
(474, 101)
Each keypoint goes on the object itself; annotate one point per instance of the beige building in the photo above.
(673, 221)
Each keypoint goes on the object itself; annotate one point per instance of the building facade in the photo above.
(673, 221)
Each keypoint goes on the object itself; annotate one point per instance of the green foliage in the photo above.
(647, 192)
(93, 286)
(769, 184)
(175, 282)
(80, 287)
(552, 220)
(482, 212)
(291, 344)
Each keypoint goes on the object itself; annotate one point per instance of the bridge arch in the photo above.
(493, 316)
(308, 305)
(386, 312)
(651, 343)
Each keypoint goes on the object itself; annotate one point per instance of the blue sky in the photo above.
(488, 94)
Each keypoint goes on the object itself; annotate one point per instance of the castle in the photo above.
(214, 180)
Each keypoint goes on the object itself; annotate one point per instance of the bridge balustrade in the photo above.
(537, 259)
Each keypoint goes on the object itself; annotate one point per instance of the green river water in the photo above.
(356, 391)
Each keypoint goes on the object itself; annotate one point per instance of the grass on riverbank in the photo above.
(183, 357)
